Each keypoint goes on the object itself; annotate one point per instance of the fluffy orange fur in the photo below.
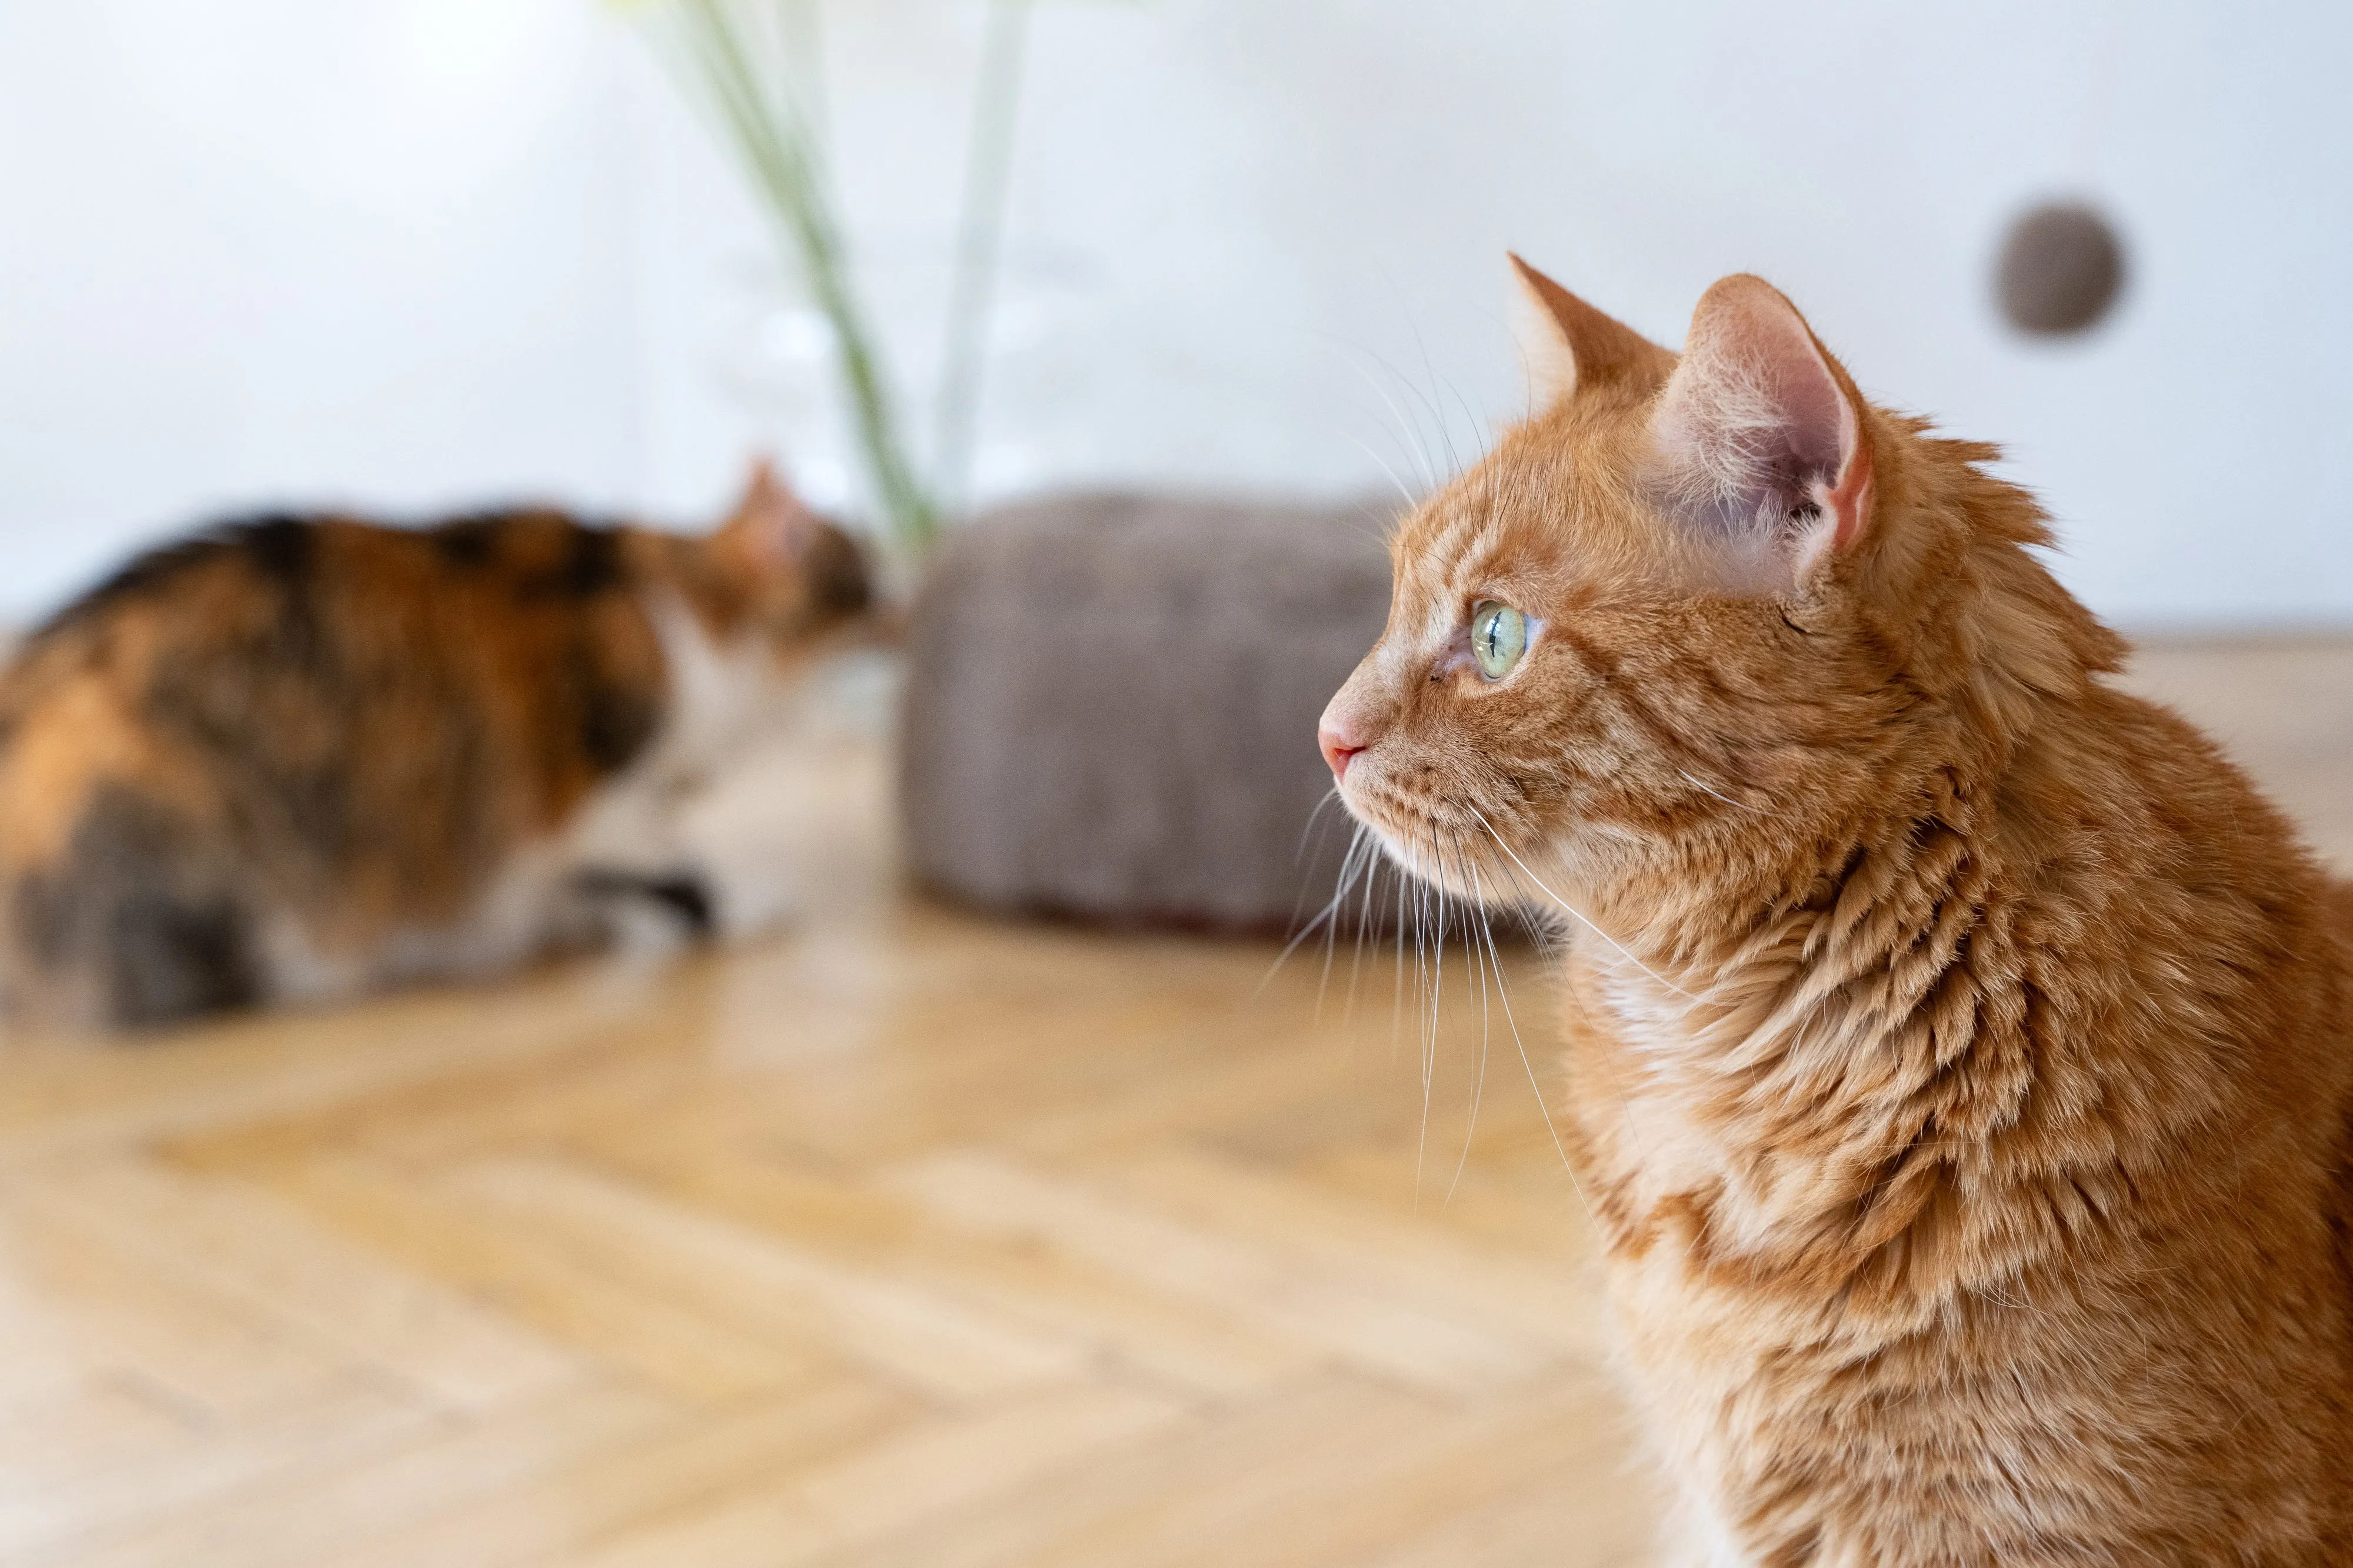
(1961, 1050)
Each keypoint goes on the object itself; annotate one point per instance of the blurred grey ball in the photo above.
(2061, 270)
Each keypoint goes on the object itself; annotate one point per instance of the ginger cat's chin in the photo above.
(1961, 1051)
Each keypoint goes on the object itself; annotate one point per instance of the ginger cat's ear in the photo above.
(1581, 349)
(771, 529)
(1761, 434)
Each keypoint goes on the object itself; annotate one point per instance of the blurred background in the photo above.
(411, 253)
(908, 1234)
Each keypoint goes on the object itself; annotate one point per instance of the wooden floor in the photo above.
(903, 1239)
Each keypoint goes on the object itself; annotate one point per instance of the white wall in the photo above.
(408, 252)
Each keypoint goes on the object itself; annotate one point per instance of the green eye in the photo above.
(1499, 635)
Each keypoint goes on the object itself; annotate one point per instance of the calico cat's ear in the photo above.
(1761, 436)
(771, 529)
(1580, 349)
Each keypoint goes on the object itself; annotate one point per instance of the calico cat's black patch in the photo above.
(470, 542)
(838, 580)
(170, 959)
(617, 719)
(614, 716)
(43, 914)
(130, 907)
(283, 674)
(593, 565)
(682, 893)
(275, 798)
(281, 547)
(586, 560)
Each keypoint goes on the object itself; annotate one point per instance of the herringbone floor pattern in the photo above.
(904, 1239)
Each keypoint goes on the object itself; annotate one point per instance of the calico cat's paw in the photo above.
(649, 911)
(750, 900)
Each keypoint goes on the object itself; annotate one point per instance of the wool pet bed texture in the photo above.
(1112, 702)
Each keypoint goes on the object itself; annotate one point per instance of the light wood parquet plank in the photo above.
(313, 1510)
(1122, 1323)
(282, 1267)
(1354, 1320)
(202, 1463)
(1323, 1474)
(1548, 1525)
(508, 1265)
(82, 1430)
(41, 1350)
(1548, 1302)
(470, 1107)
(877, 1488)
(1519, 1206)
(59, 1097)
(706, 1461)
(766, 1284)
(115, 1313)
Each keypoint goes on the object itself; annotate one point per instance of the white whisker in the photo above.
(1578, 915)
(1476, 959)
(1299, 852)
(1406, 493)
(1408, 428)
(1543, 1106)
(1740, 805)
(1352, 865)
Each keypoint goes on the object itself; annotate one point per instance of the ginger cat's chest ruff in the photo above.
(1842, 1342)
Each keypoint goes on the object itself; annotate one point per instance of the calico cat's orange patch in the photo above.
(1961, 1050)
(310, 754)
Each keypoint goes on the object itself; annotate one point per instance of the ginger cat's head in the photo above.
(1701, 617)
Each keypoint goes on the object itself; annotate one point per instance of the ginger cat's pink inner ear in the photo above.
(1581, 350)
(1761, 434)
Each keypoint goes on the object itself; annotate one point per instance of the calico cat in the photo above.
(303, 757)
(1960, 1050)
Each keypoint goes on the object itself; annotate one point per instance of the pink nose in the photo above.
(1340, 743)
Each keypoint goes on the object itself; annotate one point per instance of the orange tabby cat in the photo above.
(301, 757)
(1961, 1050)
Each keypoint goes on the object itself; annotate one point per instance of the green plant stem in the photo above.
(778, 157)
(980, 231)
(800, 34)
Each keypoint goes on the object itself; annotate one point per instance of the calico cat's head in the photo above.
(743, 611)
(1702, 609)
(778, 573)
